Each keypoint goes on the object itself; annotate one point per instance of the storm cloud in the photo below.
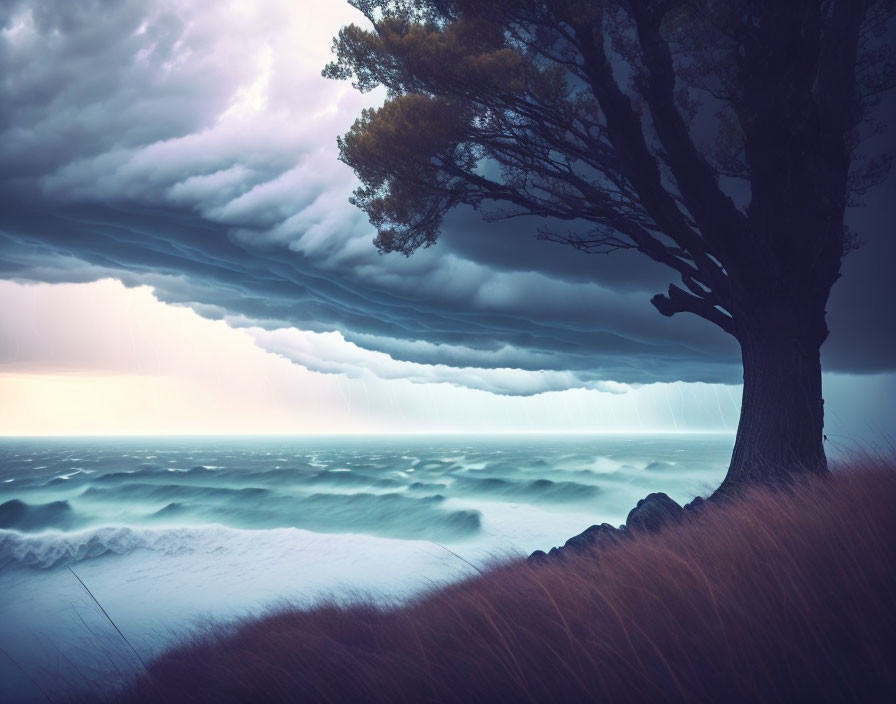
(190, 146)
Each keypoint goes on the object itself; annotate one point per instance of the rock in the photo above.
(696, 506)
(653, 512)
(539, 557)
(601, 535)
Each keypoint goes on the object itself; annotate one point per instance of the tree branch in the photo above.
(625, 130)
(721, 223)
(679, 301)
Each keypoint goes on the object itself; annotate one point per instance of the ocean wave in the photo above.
(427, 486)
(498, 468)
(390, 515)
(659, 465)
(151, 491)
(393, 515)
(45, 550)
(536, 490)
(51, 549)
(29, 517)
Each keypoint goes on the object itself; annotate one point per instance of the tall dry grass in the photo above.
(776, 597)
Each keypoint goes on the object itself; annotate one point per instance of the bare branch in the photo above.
(679, 301)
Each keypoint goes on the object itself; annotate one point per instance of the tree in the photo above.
(638, 119)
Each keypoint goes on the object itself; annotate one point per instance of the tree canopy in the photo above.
(718, 138)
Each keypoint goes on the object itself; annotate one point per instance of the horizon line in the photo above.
(4, 436)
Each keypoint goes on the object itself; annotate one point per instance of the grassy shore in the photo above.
(778, 596)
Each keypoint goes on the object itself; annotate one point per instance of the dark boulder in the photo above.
(539, 557)
(555, 553)
(695, 507)
(600, 536)
(653, 512)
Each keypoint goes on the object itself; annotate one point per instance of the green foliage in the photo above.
(446, 77)
(393, 150)
(585, 111)
(407, 57)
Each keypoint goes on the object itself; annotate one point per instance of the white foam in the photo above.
(51, 548)
(165, 581)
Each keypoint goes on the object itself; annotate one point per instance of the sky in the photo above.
(178, 255)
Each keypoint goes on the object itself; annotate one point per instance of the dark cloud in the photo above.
(187, 259)
(513, 245)
(134, 144)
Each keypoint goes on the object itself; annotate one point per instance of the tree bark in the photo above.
(780, 433)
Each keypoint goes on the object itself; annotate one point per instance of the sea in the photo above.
(112, 549)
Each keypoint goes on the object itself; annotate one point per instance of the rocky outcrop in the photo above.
(650, 515)
(597, 536)
(653, 512)
(696, 506)
(603, 535)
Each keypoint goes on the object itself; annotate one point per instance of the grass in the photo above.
(777, 596)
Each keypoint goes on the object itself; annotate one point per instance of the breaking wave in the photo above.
(29, 517)
(50, 549)
(59, 499)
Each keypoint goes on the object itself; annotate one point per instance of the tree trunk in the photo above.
(780, 433)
